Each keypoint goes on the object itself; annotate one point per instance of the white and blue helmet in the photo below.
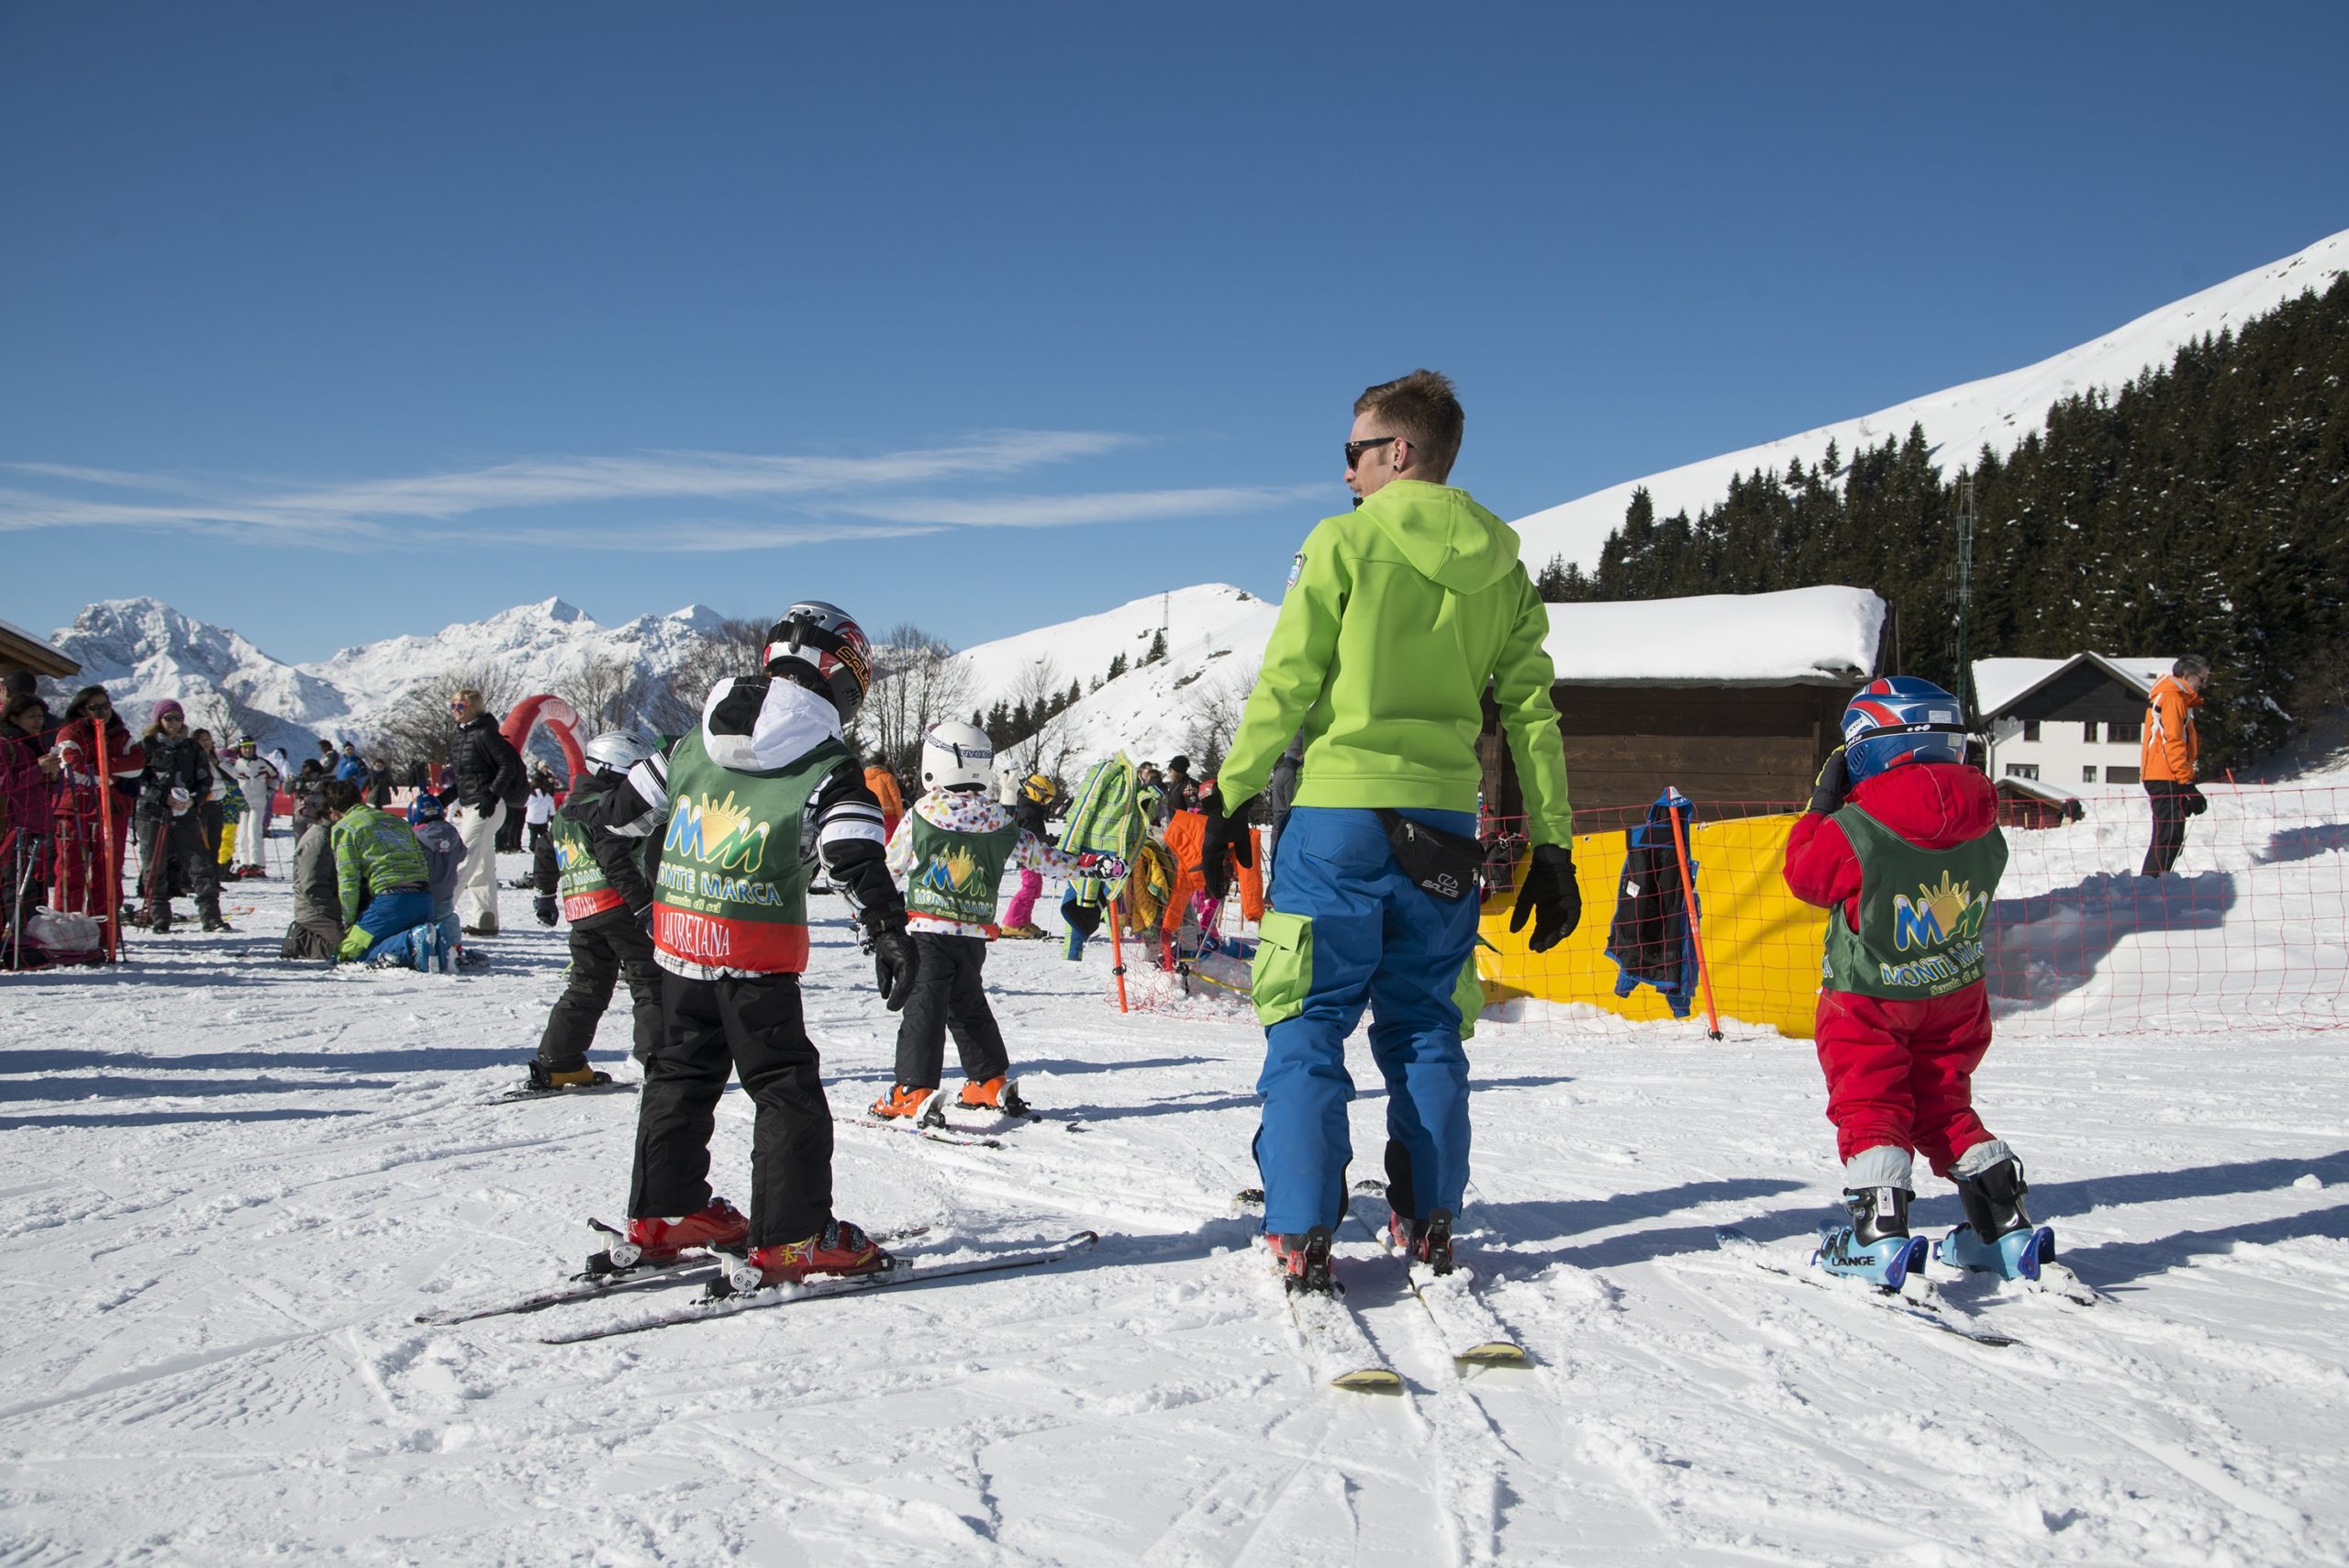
(1900, 718)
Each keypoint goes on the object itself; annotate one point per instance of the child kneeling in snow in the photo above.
(1901, 845)
(953, 848)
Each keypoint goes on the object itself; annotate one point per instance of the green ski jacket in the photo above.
(1397, 616)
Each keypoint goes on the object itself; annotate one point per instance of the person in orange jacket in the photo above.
(2171, 751)
(884, 785)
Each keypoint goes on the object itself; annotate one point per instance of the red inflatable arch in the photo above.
(559, 721)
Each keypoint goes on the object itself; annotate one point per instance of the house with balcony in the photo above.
(2071, 725)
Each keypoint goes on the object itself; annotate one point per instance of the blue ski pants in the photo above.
(1350, 930)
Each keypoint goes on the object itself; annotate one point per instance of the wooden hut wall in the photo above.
(1624, 744)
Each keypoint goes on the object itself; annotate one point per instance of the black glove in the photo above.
(1226, 832)
(644, 918)
(2194, 804)
(1835, 782)
(1085, 918)
(543, 907)
(1549, 896)
(894, 964)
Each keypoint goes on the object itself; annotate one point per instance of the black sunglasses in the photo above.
(1356, 448)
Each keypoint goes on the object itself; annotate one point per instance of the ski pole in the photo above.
(1689, 913)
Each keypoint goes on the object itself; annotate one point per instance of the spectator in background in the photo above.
(349, 769)
(89, 863)
(212, 811)
(316, 928)
(539, 808)
(383, 876)
(487, 773)
(378, 787)
(884, 785)
(2172, 749)
(29, 769)
(256, 779)
(173, 854)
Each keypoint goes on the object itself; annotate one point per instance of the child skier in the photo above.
(1901, 845)
(608, 898)
(765, 777)
(1030, 804)
(953, 849)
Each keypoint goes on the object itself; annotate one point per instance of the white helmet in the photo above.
(955, 754)
(614, 751)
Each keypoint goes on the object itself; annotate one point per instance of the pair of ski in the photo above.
(721, 1299)
(2052, 1279)
(1340, 1349)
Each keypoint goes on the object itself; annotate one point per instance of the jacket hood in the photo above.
(756, 723)
(1445, 536)
(1935, 806)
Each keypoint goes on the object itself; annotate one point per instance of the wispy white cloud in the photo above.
(827, 498)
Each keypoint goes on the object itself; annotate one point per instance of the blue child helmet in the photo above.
(1900, 718)
(427, 808)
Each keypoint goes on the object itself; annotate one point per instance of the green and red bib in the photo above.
(1922, 913)
(584, 889)
(731, 897)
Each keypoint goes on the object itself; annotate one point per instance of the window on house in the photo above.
(2127, 732)
(2087, 732)
(2022, 769)
(2087, 775)
(2031, 729)
(2121, 776)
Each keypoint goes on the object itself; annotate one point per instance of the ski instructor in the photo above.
(1397, 618)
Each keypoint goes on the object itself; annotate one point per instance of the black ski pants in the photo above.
(2170, 801)
(602, 952)
(753, 1027)
(172, 856)
(948, 994)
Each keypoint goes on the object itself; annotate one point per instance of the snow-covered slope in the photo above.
(1996, 412)
(1215, 640)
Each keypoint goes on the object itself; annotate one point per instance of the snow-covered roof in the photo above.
(1999, 684)
(1824, 636)
(18, 646)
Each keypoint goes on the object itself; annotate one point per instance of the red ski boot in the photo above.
(1304, 1260)
(839, 1248)
(1425, 1240)
(998, 1094)
(921, 1107)
(721, 1227)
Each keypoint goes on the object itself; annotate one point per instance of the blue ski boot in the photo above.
(1998, 1236)
(1876, 1246)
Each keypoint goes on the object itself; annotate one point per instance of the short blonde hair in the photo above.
(471, 693)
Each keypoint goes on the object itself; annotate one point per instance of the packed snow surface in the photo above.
(1998, 411)
(234, 1184)
(1826, 635)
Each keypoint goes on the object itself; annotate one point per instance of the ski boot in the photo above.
(1028, 933)
(921, 1107)
(998, 1094)
(545, 1080)
(839, 1248)
(1998, 1236)
(1304, 1261)
(1425, 1240)
(216, 923)
(718, 1226)
(1876, 1246)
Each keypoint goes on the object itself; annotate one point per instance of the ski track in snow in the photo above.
(231, 1184)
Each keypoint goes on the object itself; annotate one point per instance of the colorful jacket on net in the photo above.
(954, 848)
(375, 852)
(1398, 615)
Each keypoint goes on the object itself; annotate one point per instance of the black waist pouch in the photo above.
(1439, 863)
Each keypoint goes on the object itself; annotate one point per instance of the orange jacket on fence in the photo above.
(1186, 835)
(2171, 745)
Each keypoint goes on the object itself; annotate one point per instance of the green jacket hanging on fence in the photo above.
(1399, 614)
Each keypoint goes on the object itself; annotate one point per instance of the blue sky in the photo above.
(329, 323)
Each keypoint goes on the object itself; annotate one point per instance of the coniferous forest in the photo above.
(2203, 507)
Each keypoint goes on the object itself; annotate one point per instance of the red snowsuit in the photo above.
(1897, 1072)
(83, 883)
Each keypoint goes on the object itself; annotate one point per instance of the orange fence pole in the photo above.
(1117, 947)
(1689, 903)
